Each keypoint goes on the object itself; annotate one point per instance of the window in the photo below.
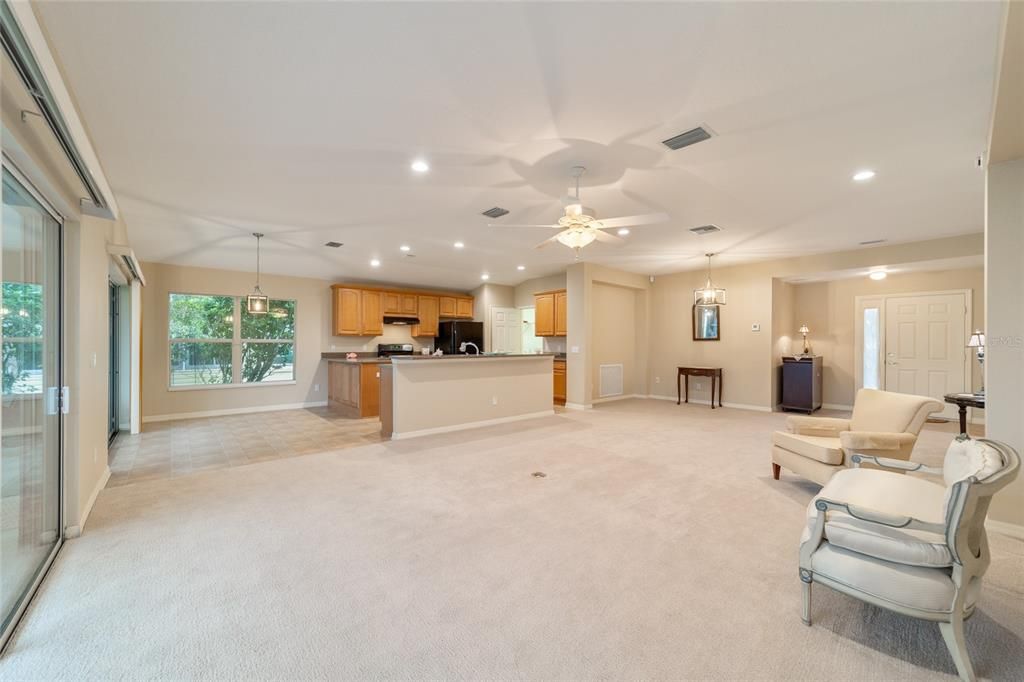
(872, 341)
(215, 341)
(22, 314)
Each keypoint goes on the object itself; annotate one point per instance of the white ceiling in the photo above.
(300, 120)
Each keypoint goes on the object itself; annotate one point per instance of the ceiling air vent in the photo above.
(705, 229)
(334, 245)
(698, 134)
(495, 212)
(873, 241)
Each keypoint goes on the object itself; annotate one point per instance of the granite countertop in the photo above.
(467, 356)
(362, 359)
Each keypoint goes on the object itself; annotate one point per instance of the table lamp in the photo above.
(805, 331)
(977, 341)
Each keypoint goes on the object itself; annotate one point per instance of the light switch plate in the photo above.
(575, 349)
(756, 327)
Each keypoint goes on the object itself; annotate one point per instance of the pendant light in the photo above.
(256, 303)
(709, 294)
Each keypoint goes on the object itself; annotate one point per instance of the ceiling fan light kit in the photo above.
(709, 294)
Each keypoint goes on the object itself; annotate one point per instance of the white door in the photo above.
(924, 346)
(506, 330)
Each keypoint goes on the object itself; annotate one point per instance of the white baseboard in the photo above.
(1011, 529)
(697, 401)
(228, 412)
(470, 425)
(612, 398)
(837, 406)
(75, 531)
(577, 406)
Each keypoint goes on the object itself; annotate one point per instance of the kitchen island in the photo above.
(421, 395)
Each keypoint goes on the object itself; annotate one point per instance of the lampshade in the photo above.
(803, 329)
(977, 339)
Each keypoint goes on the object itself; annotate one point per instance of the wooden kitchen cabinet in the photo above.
(429, 315)
(561, 314)
(372, 314)
(464, 308)
(392, 303)
(410, 304)
(559, 382)
(446, 306)
(353, 388)
(347, 316)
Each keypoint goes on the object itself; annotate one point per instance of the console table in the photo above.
(684, 377)
(963, 401)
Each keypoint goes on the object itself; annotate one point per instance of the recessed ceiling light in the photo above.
(374, 263)
(485, 276)
(520, 267)
(623, 231)
(405, 248)
(878, 275)
(458, 245)
(864, 175)
(420, 166)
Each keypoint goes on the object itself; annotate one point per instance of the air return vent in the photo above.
(705, 229)
(681, 140)
(334, 245)
(495, 212)
(870, 242)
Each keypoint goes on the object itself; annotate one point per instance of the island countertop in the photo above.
(467, 356)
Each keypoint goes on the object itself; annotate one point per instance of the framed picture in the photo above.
(706, 323)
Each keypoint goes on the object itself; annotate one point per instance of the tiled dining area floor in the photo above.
(178, 448)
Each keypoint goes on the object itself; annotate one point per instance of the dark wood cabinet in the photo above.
(801, 384)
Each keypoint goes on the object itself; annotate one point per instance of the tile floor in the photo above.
(178, 448)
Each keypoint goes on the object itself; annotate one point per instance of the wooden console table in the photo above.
(963, 401)
(686, 372)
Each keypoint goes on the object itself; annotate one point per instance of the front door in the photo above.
(30, 420)
(924, 346)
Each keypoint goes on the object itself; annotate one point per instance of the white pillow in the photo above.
(966, 458)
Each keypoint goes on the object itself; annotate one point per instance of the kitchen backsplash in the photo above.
(554, 344)
(393, 333)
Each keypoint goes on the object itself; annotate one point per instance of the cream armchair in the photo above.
(904, 543)
(883, 424)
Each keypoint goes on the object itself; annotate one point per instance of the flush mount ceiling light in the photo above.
(419, 166)
(520, 267)
(458, 245)
(485, 276)
(623, 232)
(878, 275)
(257, 303)
(709, 294)
(405, 248)
(374, 263)
(863, 175)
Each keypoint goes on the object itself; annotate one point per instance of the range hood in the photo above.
(389, 319)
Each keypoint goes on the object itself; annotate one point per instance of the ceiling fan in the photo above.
(579, 228)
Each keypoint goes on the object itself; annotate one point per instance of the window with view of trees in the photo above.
(214, 340)
(23, 323)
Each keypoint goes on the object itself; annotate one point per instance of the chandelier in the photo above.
(709, 294)
(257, 303)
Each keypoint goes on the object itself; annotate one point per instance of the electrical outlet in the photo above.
(93, 362)
(657, 380)
(756, 327)
(494, 400)
(696, 384)
(316, 388)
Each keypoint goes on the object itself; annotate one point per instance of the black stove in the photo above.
(386, 350)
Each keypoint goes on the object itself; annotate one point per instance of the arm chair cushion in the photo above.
(826, 450)
(889, 493)
(828, 427)
(873, 440)
(891, 412)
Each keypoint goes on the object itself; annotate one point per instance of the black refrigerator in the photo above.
(451, 335)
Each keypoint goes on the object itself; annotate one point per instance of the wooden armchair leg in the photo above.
(805, 614)
(953, 633)
(776, 470)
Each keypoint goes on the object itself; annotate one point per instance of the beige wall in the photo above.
(525, 290)
(828, 309)
(615, 337)
(783, 328)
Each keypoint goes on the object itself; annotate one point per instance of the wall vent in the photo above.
(495, 212)
(705, 229)
(610, 381)
(873, 241)
(334, 245)
(698, 134)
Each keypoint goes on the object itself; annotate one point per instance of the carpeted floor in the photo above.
(657, 546)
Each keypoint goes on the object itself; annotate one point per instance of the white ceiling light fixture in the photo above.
(419, 166)
(520, 267)
(485, 277)
(878, 275)
(257, 302)
(375, 263)
(623, 231)
(405, 248)
(579, 228)
(709, 294)
(863, 175)
(459, 245)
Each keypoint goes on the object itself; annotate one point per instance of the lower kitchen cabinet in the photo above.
(559, 381)
(353, 388)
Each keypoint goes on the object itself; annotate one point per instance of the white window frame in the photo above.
(236, 342)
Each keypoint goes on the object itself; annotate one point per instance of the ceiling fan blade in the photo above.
(633, 220)
(549, 240)
(503, 225)
(609, 238)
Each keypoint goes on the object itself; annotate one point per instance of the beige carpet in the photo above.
(656, 547)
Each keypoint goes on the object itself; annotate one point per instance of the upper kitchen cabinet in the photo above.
(464, 308)
(347, 312)
(429, 315)
(447, 306)
(455, 307)
(372, 313)
(551, 313)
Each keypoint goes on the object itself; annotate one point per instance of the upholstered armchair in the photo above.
(904, 543)
(883, 424)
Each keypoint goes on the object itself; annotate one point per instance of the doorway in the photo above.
(30, 419)
(506, 330)
(915, 343)
(114, 368)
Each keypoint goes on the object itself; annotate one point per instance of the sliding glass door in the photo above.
(30, 426)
